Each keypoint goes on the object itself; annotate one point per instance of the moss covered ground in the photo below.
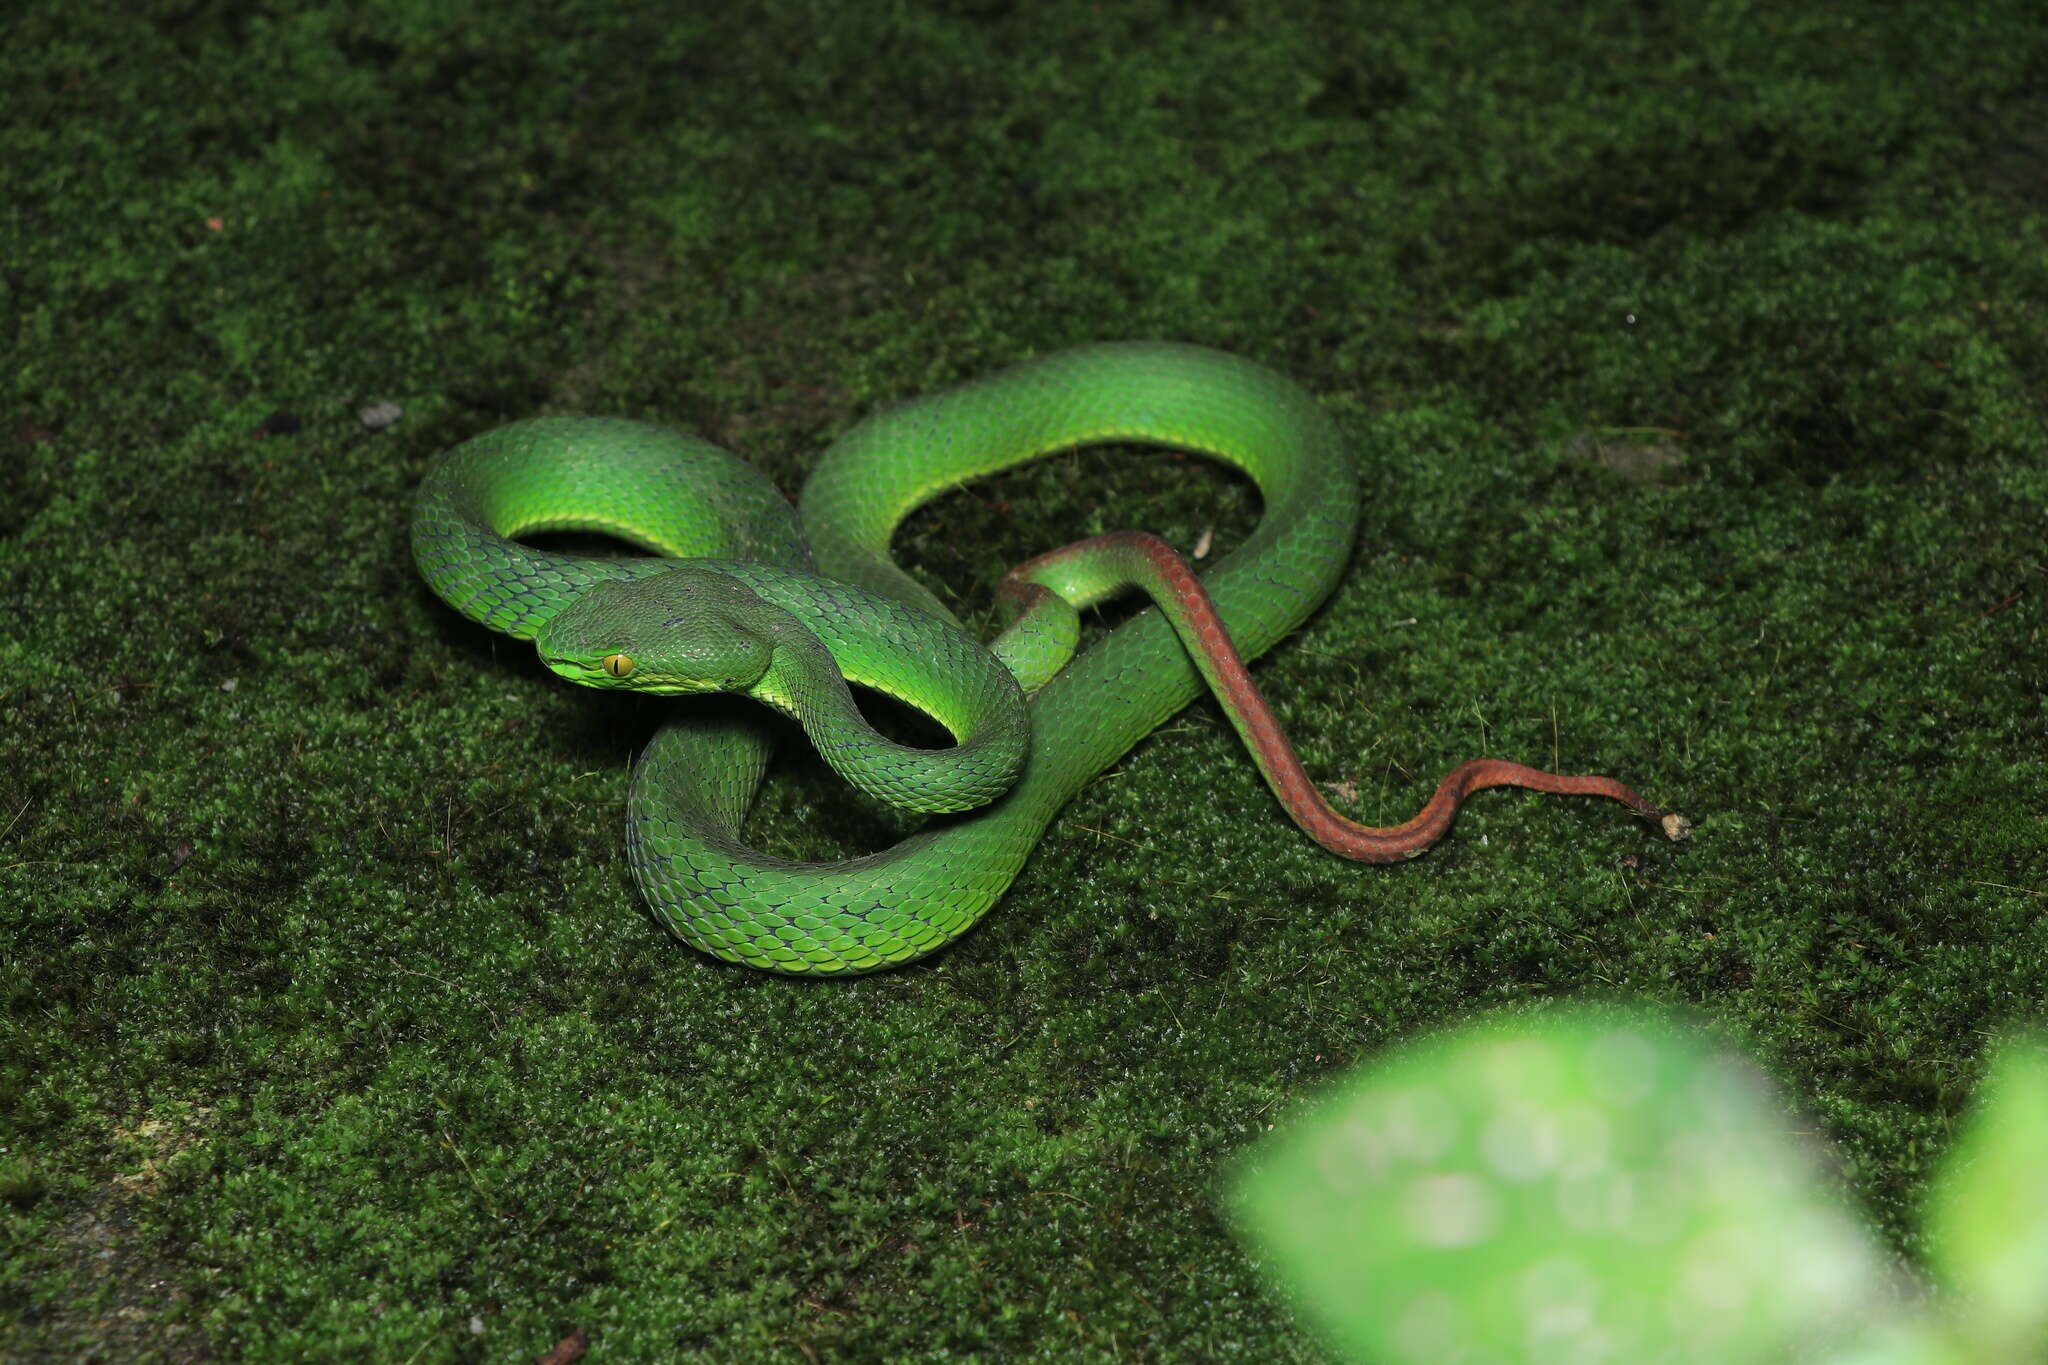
(1696, 359)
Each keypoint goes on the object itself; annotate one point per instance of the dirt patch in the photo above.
(125, 1298)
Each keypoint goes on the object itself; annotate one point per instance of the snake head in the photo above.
(688, 630)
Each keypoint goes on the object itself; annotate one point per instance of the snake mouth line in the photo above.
(589, 674)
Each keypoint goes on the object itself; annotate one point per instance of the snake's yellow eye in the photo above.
(618, 665)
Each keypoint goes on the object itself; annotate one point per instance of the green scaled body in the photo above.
(686, 500)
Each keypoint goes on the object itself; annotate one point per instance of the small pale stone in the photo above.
(379, 415)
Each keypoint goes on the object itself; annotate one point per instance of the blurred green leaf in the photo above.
(1987, 1219)
(1593, 1184)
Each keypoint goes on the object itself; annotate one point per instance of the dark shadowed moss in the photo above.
(1697, 365)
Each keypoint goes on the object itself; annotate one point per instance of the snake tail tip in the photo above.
(1676, 826)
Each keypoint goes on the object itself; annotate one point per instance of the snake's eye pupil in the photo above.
(618, 665)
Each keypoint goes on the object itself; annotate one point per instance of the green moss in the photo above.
(330, 1012)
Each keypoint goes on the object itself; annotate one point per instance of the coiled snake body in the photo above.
(742, 598)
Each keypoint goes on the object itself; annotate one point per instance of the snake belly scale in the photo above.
(741, 595)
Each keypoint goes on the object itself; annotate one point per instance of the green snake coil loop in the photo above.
(685, 500)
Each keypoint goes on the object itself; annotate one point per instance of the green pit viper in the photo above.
(740, 593)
